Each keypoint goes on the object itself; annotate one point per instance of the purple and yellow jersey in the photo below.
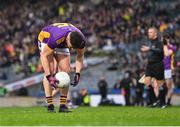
(54, 35)
(169, 60)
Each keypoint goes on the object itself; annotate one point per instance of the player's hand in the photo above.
(52, 81)
(76, 80)
(144, 48)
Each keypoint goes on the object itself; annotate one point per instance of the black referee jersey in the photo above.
(155, 66)
(156, 53)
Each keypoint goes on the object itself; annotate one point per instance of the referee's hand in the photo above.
(145, 48)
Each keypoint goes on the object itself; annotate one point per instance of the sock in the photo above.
(162, 94)
(63, 100)
(161, 97)
(169, 101)
(169, 96)
(165, 92)
(49, 100)
(152, 97)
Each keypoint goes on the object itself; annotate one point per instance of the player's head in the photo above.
(152, 33)
(166, 36)
(75, 40)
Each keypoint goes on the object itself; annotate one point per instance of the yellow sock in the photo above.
(63, 100)
(49, 100)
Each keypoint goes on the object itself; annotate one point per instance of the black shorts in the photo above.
(155, 70)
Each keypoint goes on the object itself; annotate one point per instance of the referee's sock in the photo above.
(152, 97)
(162, 94)
(169, 101)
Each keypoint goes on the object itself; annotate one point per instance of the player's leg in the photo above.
(55, 91)
(169, 83)
(55, 70)
(48, 88)
(63, 61)
(164, 92)
(64, 65)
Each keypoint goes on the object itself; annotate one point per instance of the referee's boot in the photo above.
(64, 108)
(156, 104)
(50, 108)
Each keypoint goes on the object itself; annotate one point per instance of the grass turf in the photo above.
(91, 116)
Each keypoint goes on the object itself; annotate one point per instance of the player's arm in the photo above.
(79, 60)
(46, 52)
(167, 52)
(79, 65)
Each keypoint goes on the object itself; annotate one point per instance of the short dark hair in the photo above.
(155, 29)
(76, 40)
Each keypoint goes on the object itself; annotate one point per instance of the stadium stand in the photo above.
(120, 24)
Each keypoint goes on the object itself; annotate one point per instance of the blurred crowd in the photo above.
(104, 22)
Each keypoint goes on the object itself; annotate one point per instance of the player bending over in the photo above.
(54, 42)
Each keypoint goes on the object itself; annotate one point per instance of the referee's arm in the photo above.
(158, 48)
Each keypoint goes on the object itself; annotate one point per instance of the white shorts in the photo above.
(168, 74)
(63, 51)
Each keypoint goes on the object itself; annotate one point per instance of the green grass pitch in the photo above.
(91, 116)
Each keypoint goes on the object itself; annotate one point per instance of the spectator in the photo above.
(103, 89)
(125, 85)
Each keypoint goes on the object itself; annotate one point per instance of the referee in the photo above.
(155, 65)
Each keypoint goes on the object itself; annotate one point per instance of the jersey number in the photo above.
(60, 25)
